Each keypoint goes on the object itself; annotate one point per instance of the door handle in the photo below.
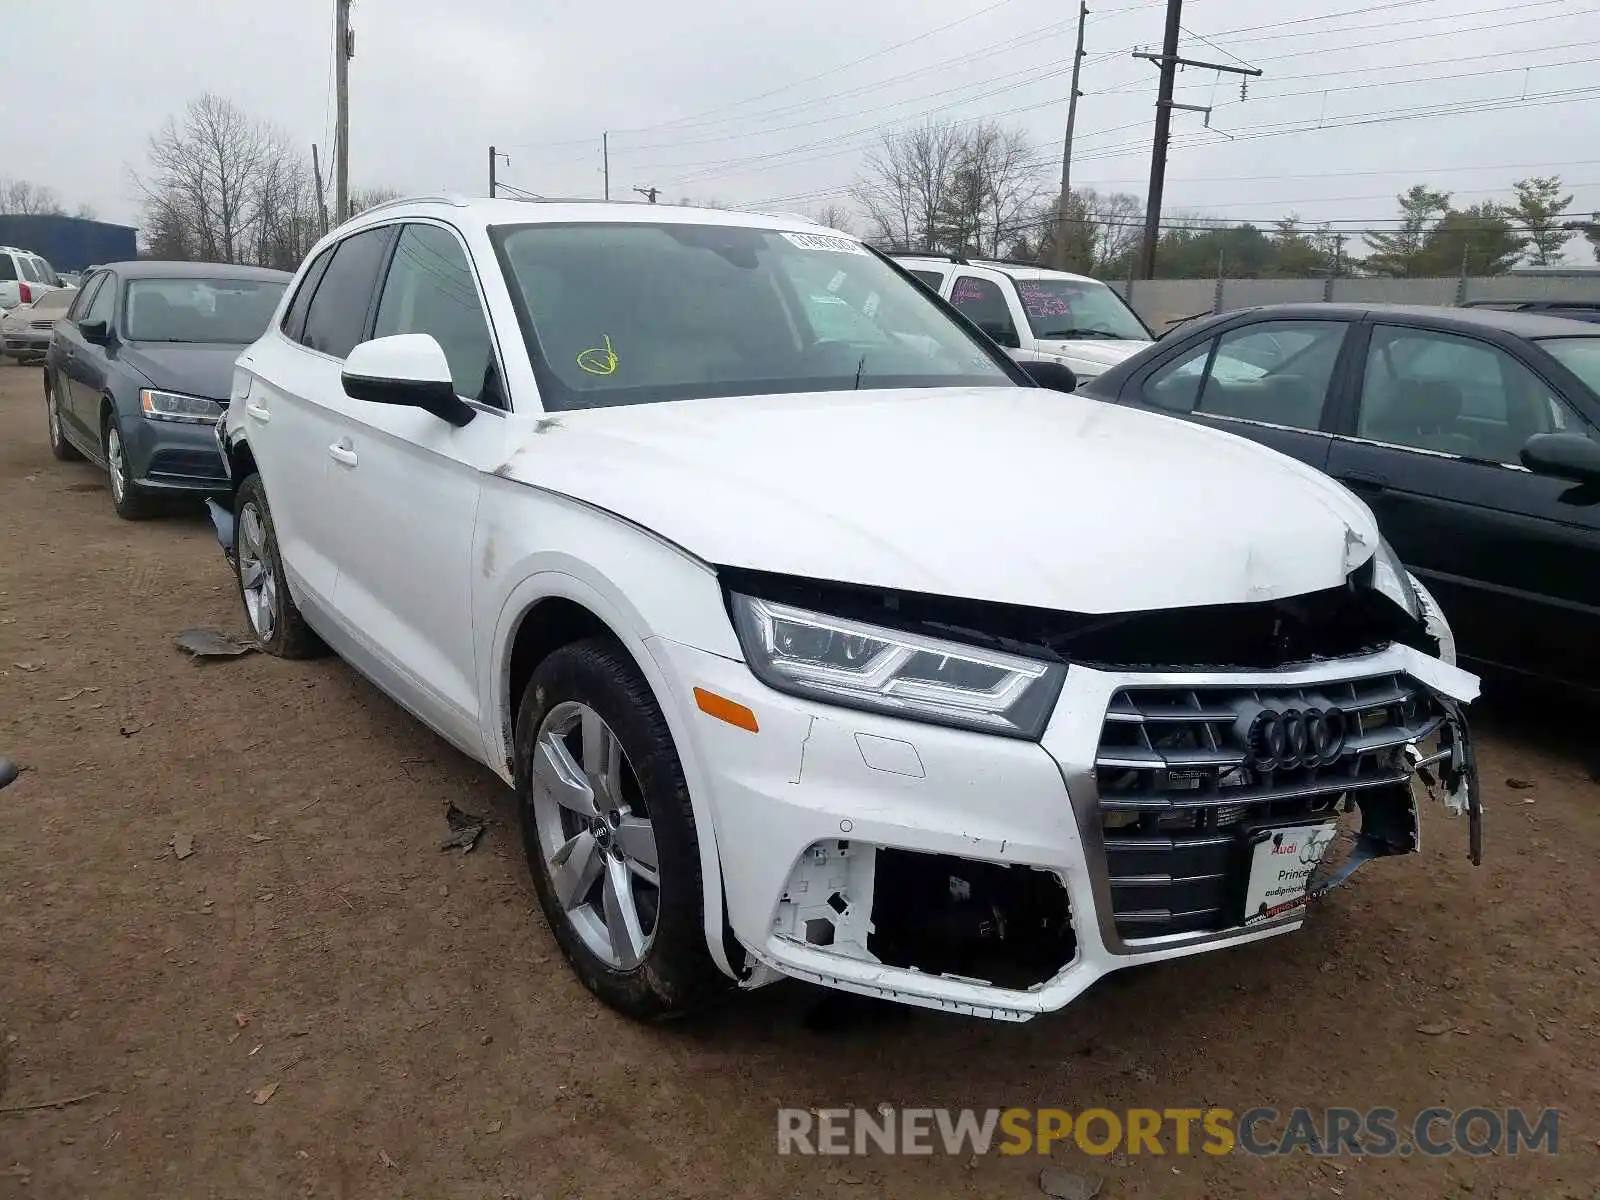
(342, 452)
(1363, 481)
(256, 412)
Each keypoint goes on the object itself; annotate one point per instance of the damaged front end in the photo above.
(1216, 769)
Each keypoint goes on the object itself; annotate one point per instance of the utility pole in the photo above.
(494, 156)
(1062, 208)
(649, 193)
(1169, 62)
(322, 195)
(605, 156)
(343, 48)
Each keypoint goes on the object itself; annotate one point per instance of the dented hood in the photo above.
(1017, 495)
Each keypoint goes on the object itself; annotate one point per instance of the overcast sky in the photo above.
(704, 103)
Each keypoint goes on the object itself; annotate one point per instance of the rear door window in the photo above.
(30, 270)
(337, 320)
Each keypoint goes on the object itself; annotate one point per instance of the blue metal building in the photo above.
(69, 243)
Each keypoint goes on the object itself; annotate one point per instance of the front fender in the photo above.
(531, 546)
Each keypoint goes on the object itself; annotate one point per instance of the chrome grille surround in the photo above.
(1164, 798)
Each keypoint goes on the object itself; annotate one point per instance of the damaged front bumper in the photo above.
(1001, 878)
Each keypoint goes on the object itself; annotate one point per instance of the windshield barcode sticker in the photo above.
(818, 241)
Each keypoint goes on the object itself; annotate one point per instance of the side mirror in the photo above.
(1563, 456)
(409, 369)
(1057, 376)
(97, 332)
(8, 772)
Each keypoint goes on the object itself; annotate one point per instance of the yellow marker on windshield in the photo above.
(601, 360)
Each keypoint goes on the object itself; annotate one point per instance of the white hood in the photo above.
(1019, 495)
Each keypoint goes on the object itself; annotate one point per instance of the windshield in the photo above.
(641, 313)
(1077, 308)
(223, 311)
(1580, 355)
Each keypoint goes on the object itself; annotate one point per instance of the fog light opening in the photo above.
(1010, 926)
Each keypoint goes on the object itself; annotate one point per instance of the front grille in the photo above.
(1179, 782)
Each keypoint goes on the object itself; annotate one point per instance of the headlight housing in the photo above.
(851, 663)
(1390, 577)
(172, 406)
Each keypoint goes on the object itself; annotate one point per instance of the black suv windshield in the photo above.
(1077, 308)
(226, 311)
(629, 313)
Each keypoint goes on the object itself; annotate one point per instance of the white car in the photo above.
(24, 277)
(847, 656)
(26, 330)
(1037, 314)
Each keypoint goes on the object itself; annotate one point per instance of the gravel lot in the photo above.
(316, 1001)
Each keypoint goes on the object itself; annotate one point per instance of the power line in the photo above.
(1281, 33)
(855, 62)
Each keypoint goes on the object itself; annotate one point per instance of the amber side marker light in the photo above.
(727, 710)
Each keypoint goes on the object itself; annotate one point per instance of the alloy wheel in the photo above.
(53, 408)
(116, 461)
(258, 577)
(595, 834)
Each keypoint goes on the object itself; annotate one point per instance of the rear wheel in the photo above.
(132, 502)
(609, 833)
(59, 446)
(274, 620)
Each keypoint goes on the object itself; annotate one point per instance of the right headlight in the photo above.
(1390, 577)
(851, 663)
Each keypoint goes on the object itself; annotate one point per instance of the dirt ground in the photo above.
(317, 1002)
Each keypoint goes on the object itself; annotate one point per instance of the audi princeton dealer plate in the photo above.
(1282, 860)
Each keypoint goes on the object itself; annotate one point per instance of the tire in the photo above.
(59, 446)
(130, 500)
(275, 621)
(666, 970)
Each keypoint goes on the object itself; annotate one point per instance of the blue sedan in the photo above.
(139, 370)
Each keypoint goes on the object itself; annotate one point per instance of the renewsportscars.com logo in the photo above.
(1262, 1132)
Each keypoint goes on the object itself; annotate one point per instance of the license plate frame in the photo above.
(1277, 863)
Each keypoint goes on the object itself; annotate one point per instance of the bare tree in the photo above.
(835, 216)
(206, 170)
(1010, 177)
(364, 198)
(903, 188)
(19, 197)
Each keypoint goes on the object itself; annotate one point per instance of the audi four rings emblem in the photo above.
(1295, 737)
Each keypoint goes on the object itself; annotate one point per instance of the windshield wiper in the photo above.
(1064, 334)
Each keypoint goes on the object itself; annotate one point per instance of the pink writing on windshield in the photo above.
(1041, 302)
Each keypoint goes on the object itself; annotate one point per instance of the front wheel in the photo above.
(275, 621)
(609, 833)
(59, 446)
(130, 500)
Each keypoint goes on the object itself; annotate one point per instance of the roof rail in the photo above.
(955, 258)
(454, 199)
(787, 216)
(1011, 262)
